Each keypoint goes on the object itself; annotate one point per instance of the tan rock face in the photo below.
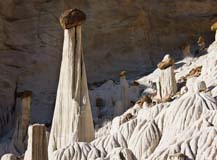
(116, 33)
(166, 85)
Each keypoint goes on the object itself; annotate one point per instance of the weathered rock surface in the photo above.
(9, 157)
(72, 120)
(186, 126)
(182, 129)
(128, 35)
(37, 143)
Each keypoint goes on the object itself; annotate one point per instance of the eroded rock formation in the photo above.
(19, 140)
(183, 128)
(123, 101)
(72, 121)
(166, 86)
(37, 143)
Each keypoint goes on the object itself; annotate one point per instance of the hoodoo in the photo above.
(166, 86)
(19, 140)
(37, 143)
(72, 120)
(124, 102)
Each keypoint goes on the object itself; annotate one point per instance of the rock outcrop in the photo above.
(19, 140)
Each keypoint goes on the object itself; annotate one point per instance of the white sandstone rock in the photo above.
(72, 119)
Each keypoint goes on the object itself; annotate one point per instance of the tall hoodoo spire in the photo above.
(166, 86)
(72, 119)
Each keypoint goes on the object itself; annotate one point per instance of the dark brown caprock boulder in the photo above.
(71, 18)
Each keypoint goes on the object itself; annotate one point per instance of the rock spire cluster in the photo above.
(169, 124)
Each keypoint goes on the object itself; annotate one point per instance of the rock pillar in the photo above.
(37, 143)
(72, 120)
(166, 86)
(19, 140)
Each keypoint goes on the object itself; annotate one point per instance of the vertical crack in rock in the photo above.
(72, 119)
(166, 87)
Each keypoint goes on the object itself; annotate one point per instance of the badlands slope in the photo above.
(185, 128)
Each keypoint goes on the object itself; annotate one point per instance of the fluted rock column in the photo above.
(166, 86)
(37, 143)
(19, 140)
(72, 120)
